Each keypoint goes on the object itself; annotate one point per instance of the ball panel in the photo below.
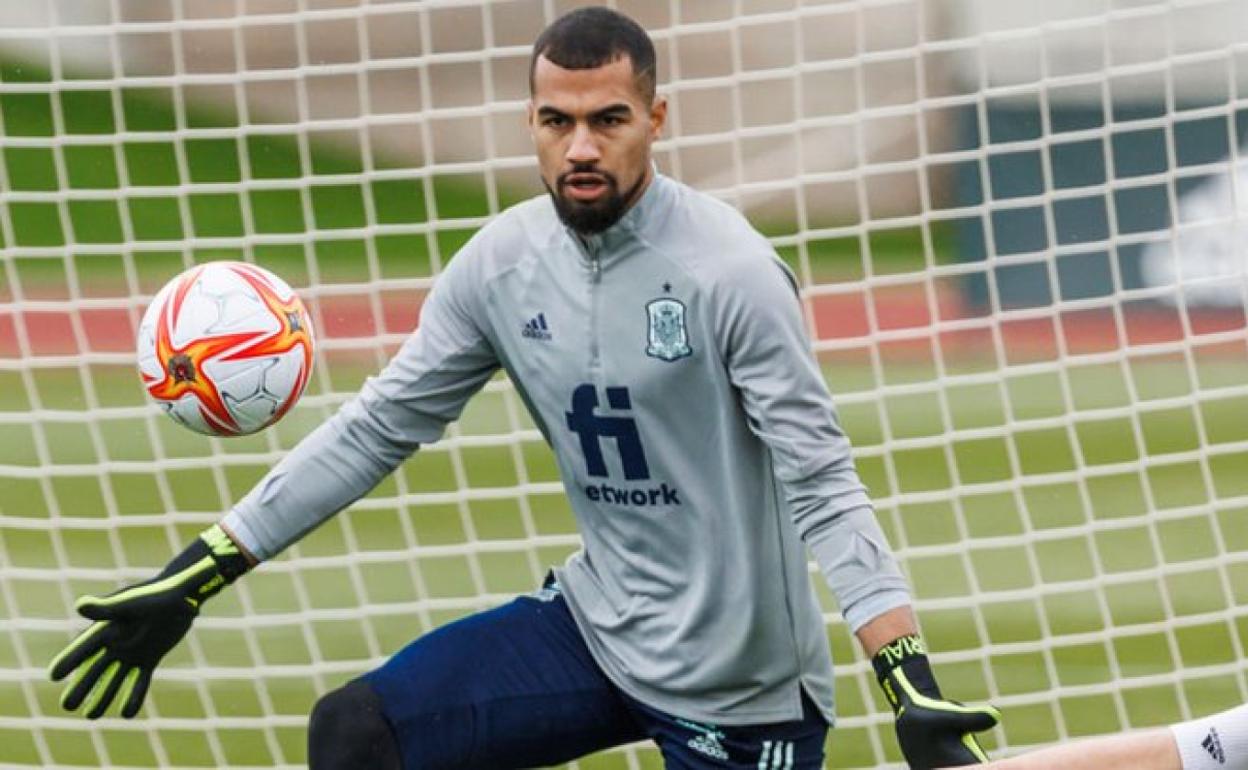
(186, 411)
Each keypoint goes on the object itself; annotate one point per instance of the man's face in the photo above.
(593, 129)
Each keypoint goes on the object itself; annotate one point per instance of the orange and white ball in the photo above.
(225, 348)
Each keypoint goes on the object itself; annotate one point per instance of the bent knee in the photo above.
(347, 729)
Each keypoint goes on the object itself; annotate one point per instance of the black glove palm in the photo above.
(137, 626)
(932, 732)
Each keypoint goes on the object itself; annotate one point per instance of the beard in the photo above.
(592, 217)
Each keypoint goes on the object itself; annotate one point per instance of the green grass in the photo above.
(1102, 526)
(310, 190)
(162, 213)
(1068, 550)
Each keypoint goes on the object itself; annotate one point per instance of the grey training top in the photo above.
(666, 363)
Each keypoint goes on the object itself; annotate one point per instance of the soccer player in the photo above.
(658, 342)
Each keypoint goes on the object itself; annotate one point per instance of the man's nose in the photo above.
(583, 149)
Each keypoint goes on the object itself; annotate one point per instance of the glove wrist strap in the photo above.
(909, 654)
(229, 558)
(895, 653)
(212, 543)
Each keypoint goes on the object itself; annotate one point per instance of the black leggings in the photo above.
(348, 731)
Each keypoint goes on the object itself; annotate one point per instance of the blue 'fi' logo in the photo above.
(668, 336)
(591, 428)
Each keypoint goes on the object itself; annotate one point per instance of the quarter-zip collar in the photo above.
(649, 210)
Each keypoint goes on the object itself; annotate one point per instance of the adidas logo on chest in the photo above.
(536, 328)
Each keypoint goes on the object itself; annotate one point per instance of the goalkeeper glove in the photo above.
(932, 732)
(135, 627)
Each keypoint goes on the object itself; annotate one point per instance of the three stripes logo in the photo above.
(536, 328)
(777, 755)
(1213, 745)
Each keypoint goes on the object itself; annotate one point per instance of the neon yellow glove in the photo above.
(932, 731)
(135, 627)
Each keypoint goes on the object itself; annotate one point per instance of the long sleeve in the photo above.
(423, 388)
(788, 406)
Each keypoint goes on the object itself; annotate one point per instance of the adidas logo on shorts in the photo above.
(708, 745)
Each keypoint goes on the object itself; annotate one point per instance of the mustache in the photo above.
(606, 176)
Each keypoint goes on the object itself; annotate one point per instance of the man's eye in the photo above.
(554, 121)
(610, 120)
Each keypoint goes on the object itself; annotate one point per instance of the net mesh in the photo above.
(1017, 232)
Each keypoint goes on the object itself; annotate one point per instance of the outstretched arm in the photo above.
(409, 404)
(422, 389)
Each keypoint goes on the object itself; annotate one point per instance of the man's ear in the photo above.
(658, 117)
(528, 118)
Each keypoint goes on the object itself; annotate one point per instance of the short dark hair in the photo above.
(591, 37)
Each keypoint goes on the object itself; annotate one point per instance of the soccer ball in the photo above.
(225, 348)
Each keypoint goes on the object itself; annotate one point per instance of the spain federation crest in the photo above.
(669, 339)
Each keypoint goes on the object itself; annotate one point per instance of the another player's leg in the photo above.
(511, 687)
(1152, 750)
(1216, 742)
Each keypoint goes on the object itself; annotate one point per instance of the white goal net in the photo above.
(1018, 230)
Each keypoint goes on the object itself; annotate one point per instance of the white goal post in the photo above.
(1018, 230)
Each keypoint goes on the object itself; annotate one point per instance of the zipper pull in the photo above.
(595, 269)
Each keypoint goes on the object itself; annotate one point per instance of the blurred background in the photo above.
(1018, 229)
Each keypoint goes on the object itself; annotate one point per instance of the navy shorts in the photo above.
(516, 687)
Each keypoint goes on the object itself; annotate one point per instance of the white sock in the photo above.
(1216, 742)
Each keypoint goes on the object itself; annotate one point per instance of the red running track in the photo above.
(844, 319)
